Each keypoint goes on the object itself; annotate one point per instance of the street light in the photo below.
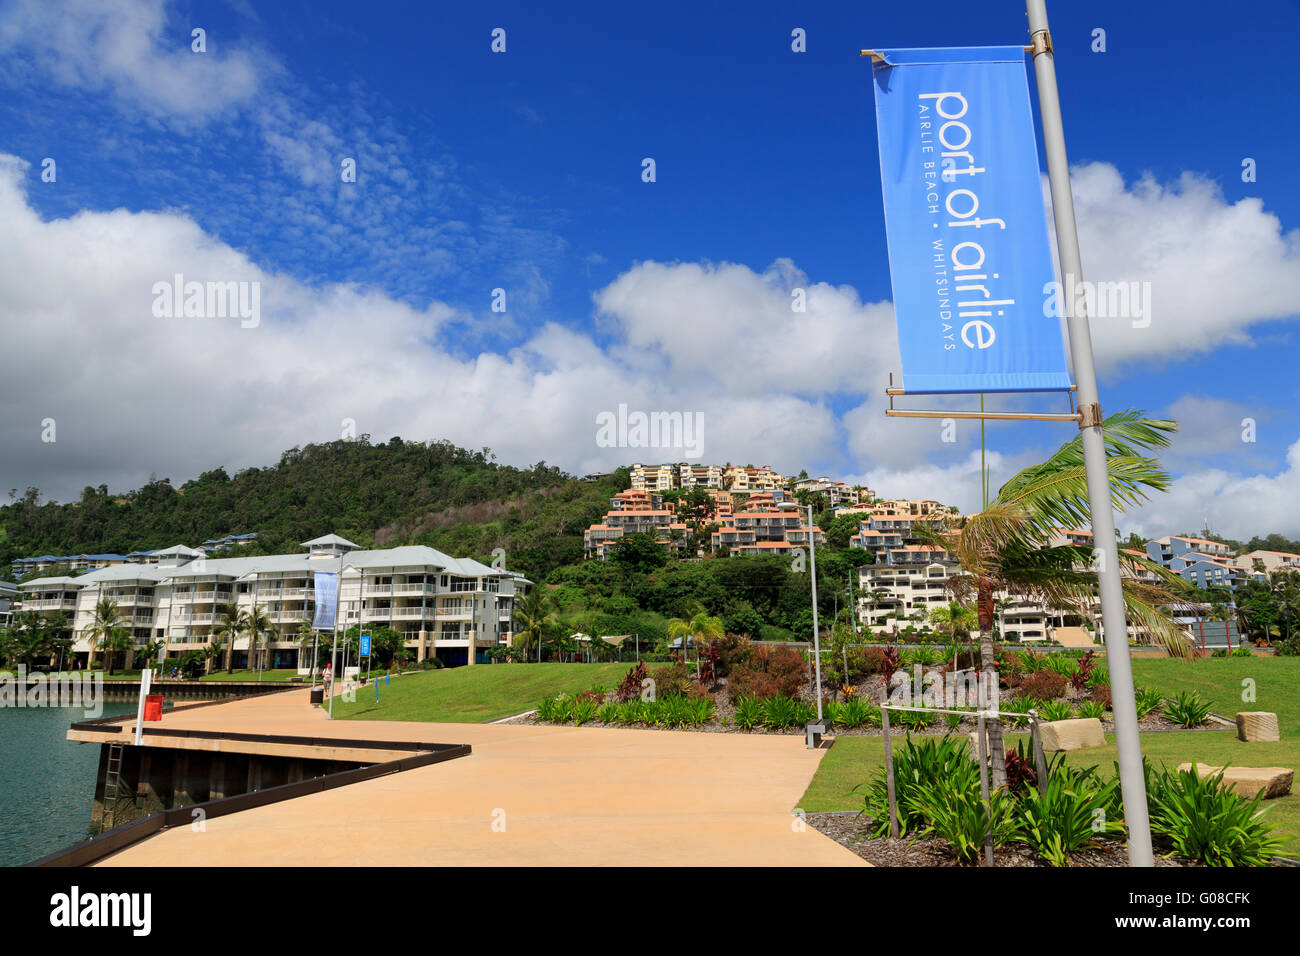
(817, 646)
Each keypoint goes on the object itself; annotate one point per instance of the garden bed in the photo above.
(854, 832)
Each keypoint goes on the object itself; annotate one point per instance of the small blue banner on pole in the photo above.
(365, 645)
(327, 600)
(966, 223)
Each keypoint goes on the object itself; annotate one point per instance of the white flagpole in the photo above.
(1118, 662)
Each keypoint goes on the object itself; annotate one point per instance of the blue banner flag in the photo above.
(964, 217)
(365, 645)
(327, 600)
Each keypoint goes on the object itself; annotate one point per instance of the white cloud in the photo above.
(134, 50)
(1216, 268)
(134, 394)
(1236, 504)
(727, 324)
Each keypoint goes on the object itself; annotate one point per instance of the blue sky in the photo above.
(521, 170)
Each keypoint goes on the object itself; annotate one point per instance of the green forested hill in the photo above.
(378, 495)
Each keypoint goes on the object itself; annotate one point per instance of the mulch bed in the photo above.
(854, 832)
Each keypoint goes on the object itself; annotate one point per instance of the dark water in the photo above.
(47, 782)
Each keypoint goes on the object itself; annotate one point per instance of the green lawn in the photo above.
(853, 759)
(476, 694)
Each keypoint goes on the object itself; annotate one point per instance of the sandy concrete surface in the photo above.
(526, 796)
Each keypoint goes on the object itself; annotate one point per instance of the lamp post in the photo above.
(817, 646)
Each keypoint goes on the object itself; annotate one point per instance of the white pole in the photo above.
(817, 646)
(338, 606)
(146, 682)
(1127, 743)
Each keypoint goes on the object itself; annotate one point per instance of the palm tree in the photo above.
(956, 622)
(306, 634)
(534, 617)
(259, 629)
(107, 631)
(1005, 546)
(29, 639)
(229, 628)
(697, 629)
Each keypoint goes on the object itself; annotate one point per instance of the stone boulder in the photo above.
(1078, 734)
(1248, 781)
(1257, 725)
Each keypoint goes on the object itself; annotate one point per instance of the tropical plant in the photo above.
(780, 712)
(960, 815)
(1187, 709)
(1006, 546)
(911, 719)
(1071, 812)
(955, 621)
(1149, 701)
(917, 761)
(107, 631)
(1091, 709)
(1201, 818)
(749, 713)
(534, 619)
(694, 632)
(229, 627)
(1050, 710)
(257, 625)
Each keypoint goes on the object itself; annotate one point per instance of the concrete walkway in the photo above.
(526, 796)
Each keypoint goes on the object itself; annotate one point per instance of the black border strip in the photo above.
(106, 844)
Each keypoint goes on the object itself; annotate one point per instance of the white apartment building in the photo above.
(691, 476)
(1268, 561)
(452, 608)
(654, 478)
(8, 595)
(837, 492)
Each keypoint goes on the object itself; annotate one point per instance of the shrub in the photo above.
(1100, 695)
(630, 687)
(959, 815)
(1015, 711)
(1054, 710)
(584, 709)
(729, 649)
(851, 714)
(1043, 684)
(1187, 709)
(608, 713)
(805, 713)
(911, 719)
(546, 709)
(671, 680)
(780, 712)
(1084, 671)
(1148, 702)
(1202, 819)
(1065, 666)
(701, 711)
(931, 758)
(1092, 708)
(1021, 769)
(1071, 812)
(768, 672)
(749, 713)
